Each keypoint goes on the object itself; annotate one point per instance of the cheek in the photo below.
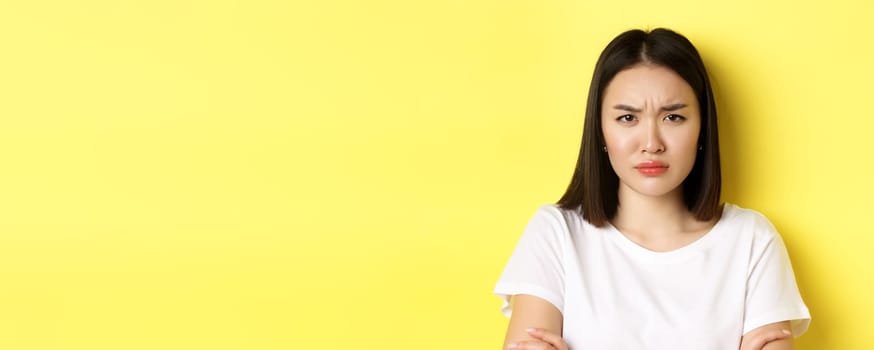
(693, 135)
(621, 148)
(685, 141)
(618, 142)
(686, 144)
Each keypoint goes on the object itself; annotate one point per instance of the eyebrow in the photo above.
(667, 108)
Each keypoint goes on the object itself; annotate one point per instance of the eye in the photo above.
(676, 118)
(628, 118)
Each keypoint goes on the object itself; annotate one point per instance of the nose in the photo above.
(653, 142)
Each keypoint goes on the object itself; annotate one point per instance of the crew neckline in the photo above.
(681, 253)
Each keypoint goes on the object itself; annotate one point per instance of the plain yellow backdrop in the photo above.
(354, 174)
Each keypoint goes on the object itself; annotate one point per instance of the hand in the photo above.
(544, 340)
(759, 341)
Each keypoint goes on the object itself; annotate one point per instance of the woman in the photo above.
(639, 253)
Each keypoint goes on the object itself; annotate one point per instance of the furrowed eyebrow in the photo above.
(674, 107)
(626, 108)
(668, 108)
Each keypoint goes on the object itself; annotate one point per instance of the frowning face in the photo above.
(651, 121)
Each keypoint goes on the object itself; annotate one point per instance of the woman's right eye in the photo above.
(628, 118)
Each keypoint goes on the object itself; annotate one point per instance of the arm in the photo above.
(772, 293)
(531, 312)
(768, 337)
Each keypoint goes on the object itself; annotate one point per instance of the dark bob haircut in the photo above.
(594, 187)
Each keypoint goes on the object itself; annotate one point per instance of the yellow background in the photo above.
(354, 174)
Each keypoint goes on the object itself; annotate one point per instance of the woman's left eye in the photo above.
(675, 118)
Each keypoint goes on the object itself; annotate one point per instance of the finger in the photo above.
(530, 345)
(553, 339)
(772, 335)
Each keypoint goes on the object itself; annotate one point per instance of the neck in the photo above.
(655, 215)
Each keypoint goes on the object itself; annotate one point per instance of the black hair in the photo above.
(594, 186)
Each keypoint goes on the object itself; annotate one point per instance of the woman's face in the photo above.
(651, 119)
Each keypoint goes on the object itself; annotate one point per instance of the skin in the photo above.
(649, 113)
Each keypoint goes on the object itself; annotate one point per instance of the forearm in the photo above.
(782, 344)
(774, 336)
(531, 312)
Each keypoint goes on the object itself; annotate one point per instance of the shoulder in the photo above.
(748, 220)
(555, 212)
(559, 218)
(555, 222)
(753, 227)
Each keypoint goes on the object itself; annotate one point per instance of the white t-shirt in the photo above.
(615, 294)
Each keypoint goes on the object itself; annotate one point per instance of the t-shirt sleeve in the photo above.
(535, 267)
(772, 293)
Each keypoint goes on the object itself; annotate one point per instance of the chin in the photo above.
(654, 193)
(654, 189)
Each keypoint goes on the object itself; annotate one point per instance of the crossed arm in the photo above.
(536, 325)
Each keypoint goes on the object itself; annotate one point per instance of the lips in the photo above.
(651, 168)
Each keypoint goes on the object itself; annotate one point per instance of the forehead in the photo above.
(645, 83)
